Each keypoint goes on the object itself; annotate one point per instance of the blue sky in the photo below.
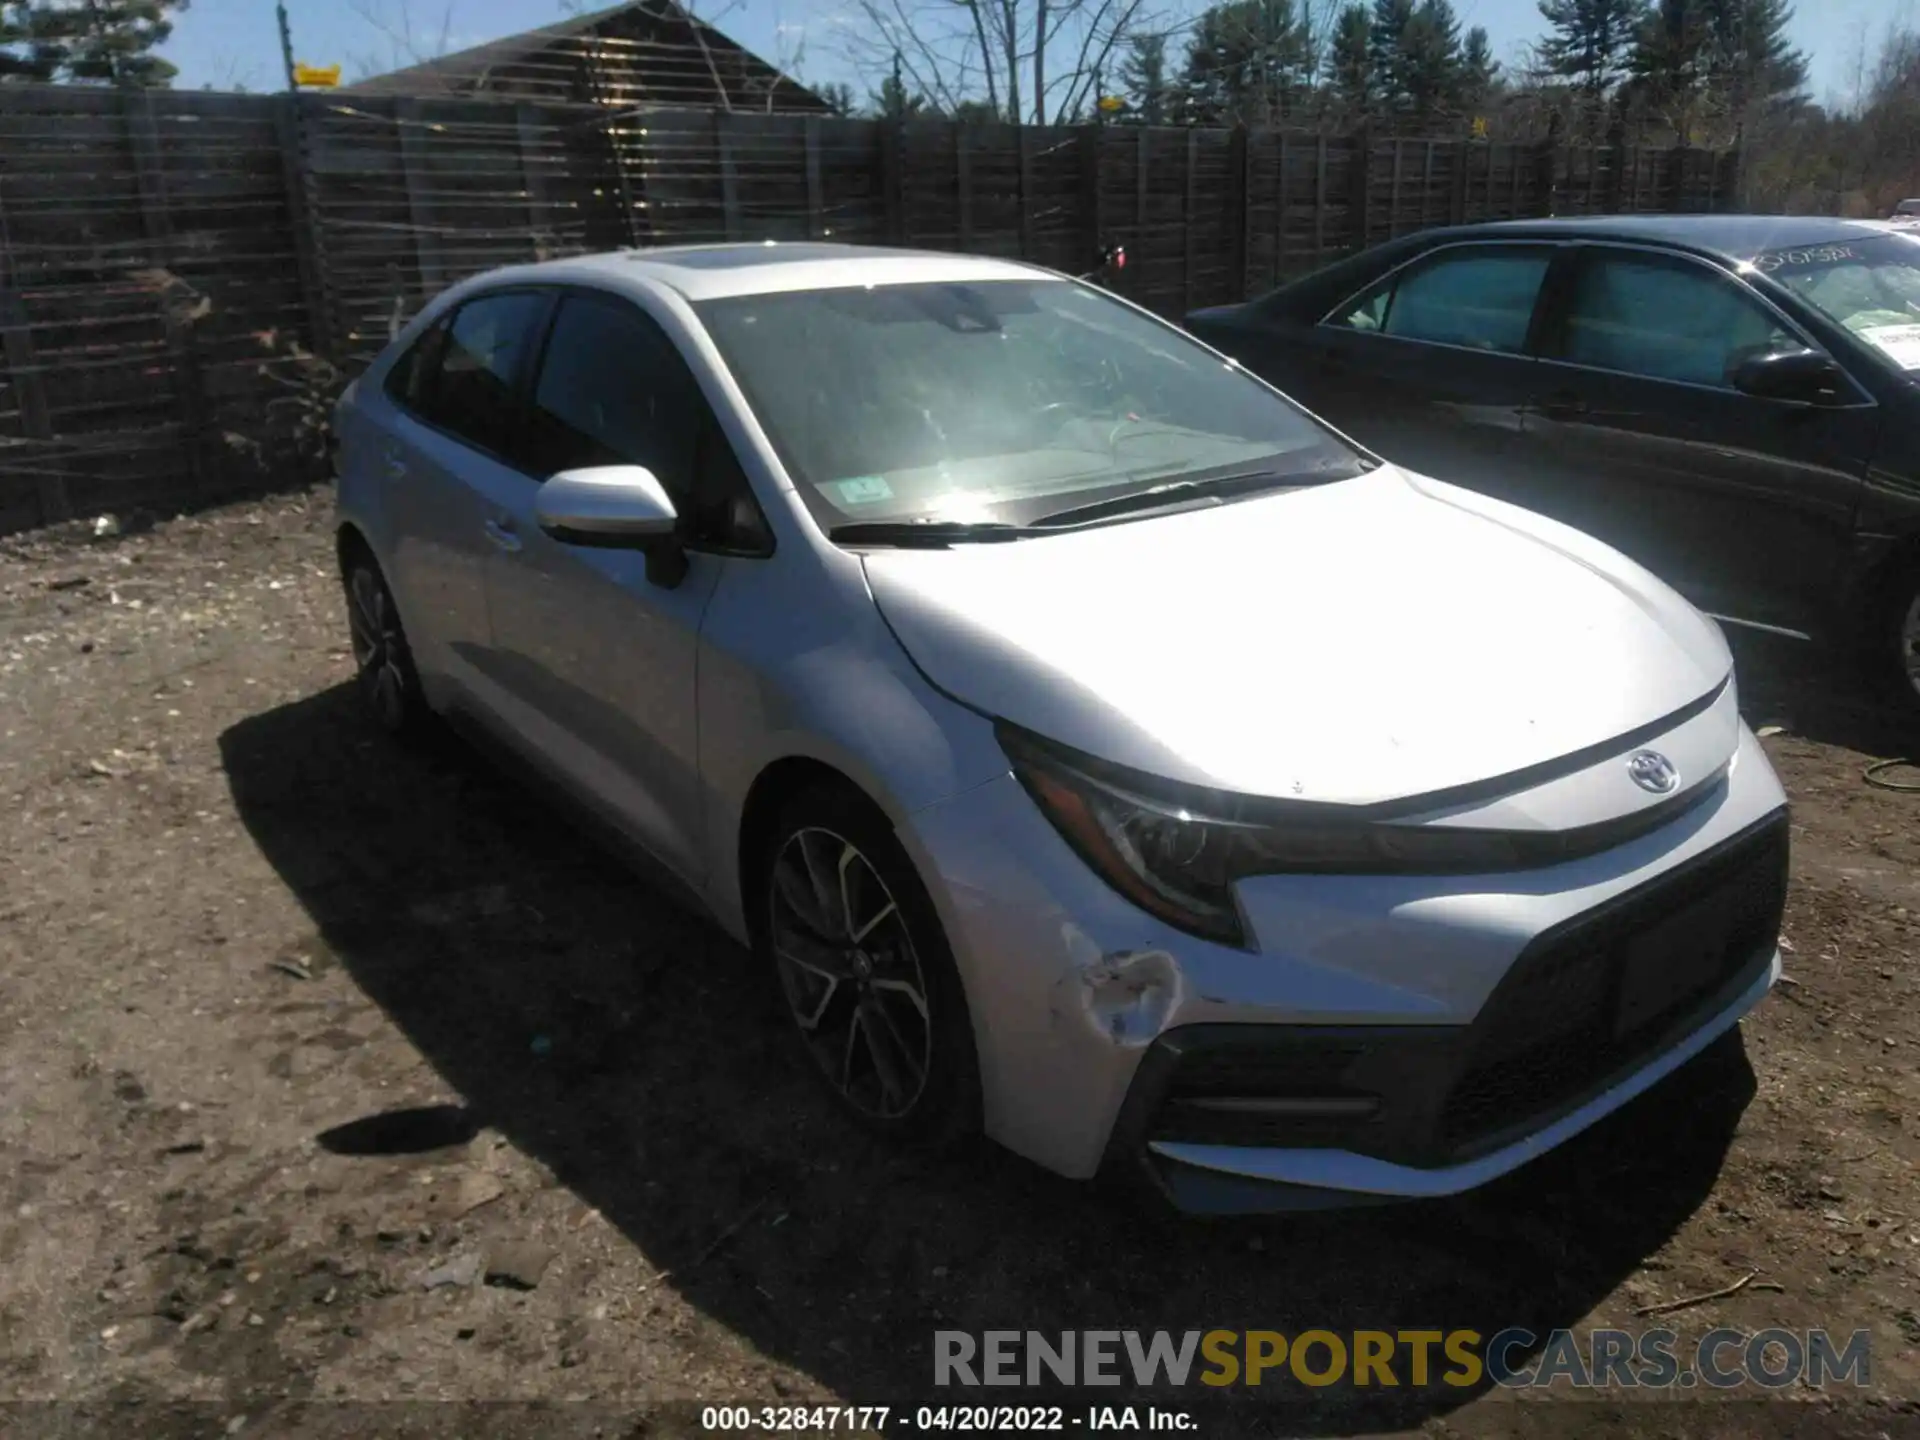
(225, 43)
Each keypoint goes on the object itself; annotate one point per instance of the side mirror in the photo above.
(620, 507)
(607, 504)
(1804, 377)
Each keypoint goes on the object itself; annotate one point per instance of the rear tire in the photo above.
(383, 661)
(863, 972)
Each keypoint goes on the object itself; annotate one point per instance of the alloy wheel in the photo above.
(377, 646)
(850, 972)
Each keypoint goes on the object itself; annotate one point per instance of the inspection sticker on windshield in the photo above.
(861, 490)
(1901, 342)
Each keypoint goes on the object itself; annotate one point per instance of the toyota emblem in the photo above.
(1651, 770)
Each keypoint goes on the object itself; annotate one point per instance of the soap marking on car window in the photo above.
(1771, 260)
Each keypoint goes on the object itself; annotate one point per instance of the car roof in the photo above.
(708, 272)
(1728, 238)
(1734, 237)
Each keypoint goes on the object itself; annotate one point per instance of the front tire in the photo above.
(863, 969)
(383, 661)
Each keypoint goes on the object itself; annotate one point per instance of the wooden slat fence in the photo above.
(172, 263)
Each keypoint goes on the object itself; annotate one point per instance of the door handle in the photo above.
(1563, 405)
(502, 536)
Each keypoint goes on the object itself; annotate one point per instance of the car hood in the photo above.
(1373, 640)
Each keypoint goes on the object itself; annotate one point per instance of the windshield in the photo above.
(991, 401)
(1870, 286)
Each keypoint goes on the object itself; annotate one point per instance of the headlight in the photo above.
(1176, 851)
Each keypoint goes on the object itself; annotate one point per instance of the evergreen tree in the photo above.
(1754, 64)
(1724, 60)
(1143, 78)
(1590, 41)
(1386, 51)
(1248, 63)
(16, 59)
(1671, 60)
(1430, 61)
(1479, 72)
(1350, 59)
(88, 41)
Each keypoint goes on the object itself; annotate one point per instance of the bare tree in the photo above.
(409, 39)
(236, 73)
(789, 54)
(1033, 60)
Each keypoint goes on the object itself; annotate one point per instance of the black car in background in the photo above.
(1734, 401)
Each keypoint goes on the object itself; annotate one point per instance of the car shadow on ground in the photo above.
(625, 1044)
(1818, 695)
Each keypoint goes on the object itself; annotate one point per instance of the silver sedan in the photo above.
(1095, 749)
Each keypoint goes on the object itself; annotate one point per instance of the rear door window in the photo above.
(466, 384)
(1478, 298)
(407, 380)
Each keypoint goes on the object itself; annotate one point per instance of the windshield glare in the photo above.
(1870, 286)
(991, 401)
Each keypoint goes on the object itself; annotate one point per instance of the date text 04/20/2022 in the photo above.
(977, 1419)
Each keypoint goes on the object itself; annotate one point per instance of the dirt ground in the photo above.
(294, 1023)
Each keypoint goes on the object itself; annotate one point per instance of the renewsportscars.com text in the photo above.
(1457, 1359)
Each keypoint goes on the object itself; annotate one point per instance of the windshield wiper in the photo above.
(1176, 492)
(931, 534)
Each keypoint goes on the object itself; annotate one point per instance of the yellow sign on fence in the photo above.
(321, 77)
(1110, 103)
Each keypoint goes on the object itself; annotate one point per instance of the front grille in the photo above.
(1602, 994)
(1582, 1006)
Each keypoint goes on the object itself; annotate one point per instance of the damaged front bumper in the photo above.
(1244, 1175)
(1394, 1036)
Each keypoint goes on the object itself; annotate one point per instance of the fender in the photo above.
(783, 677)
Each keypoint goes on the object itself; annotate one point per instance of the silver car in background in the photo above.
(1097, 749)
